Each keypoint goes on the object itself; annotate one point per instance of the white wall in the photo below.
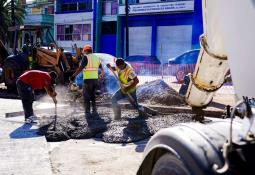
(140, 40)
(173, 40)
(73, 18)
(149, 1)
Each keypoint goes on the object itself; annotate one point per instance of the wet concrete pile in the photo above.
(71, 122)
(130, 128)
(158, 92)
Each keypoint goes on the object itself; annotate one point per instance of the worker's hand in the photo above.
(53, 94)
(108, 65)
(125, 88)
(71, 78)
(54, 100)
(101, 76)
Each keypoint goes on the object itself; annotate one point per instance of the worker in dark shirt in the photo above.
(89, 65)
(30, 81)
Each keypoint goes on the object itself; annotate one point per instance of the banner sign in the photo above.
(158, 7)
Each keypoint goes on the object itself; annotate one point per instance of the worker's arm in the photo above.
(84, 62)
(101, 71)
(111, 67)
(76, 72)
(51, 92)
(131, 84)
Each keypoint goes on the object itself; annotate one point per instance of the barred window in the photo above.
(74, 32)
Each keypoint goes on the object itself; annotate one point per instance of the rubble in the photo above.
(158, 92)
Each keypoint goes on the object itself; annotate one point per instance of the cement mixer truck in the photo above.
(221, 146)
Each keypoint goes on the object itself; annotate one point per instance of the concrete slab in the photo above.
(22, 150)
(24, 156)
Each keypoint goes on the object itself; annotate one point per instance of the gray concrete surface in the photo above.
(22, 151)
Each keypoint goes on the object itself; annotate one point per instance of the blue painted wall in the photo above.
(108, 44)
(154, 21)
(197, 27)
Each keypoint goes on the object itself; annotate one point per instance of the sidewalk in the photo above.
(22, 150)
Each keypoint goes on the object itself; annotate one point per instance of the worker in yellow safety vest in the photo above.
(129, 80)
(90, 64)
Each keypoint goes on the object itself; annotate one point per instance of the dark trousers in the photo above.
(27, 97)
(119, 95)
(89, 94)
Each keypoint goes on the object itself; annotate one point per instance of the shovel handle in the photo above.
(54, 100)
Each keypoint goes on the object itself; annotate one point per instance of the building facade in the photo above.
(38, 13)
(158, 27)
(74, 23)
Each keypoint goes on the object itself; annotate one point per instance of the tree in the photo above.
(5, 16)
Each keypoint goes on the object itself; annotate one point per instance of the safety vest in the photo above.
(123, 76)
(91, 70)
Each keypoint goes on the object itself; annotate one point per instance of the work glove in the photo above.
(71, 78)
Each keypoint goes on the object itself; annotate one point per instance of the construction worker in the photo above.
(30, 81)
(129, 80)
(89, 64)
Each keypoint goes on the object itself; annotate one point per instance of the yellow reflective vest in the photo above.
(91, 70)
(124, 77)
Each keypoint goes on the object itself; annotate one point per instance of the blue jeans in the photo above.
(119, 95)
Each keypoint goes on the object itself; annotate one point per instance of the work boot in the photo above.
(117, 113)
(94, 108)
(87, 107)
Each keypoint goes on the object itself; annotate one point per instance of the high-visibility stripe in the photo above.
(126, 73)
(91, 69)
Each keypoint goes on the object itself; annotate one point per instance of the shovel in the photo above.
(141, 109)
(55, 116)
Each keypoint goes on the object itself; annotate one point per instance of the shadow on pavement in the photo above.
(24, 131)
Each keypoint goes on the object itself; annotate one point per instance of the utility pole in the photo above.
(12, 13)
(14, 34)
(127, 31)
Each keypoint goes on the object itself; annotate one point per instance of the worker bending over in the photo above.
(33, 80)
(129, 80)
(90, 64)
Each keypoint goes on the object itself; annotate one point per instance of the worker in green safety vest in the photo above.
(129, 81)
(89, 65)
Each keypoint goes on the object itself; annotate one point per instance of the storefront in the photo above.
(161, 29)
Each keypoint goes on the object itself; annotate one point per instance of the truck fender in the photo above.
(197, 145)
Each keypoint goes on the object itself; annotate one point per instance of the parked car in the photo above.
(144, 65)
(183, 64)
(108, 83)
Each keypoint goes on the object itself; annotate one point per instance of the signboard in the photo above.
(158, 7)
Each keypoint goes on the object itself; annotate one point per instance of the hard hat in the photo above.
(87, 48)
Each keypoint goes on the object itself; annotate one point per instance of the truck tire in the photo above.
(168, 164)
(11, 74)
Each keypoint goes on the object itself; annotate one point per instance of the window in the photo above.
(74, 5)
(75, 32)
(110, 7)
